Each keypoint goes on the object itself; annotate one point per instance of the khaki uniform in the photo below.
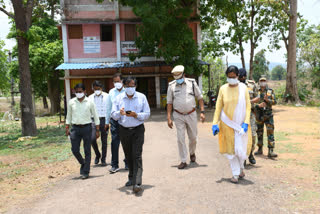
(182, 97)
(253, 92)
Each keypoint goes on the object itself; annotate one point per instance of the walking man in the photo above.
(100, 99)
(181, 100)
(115, 142)
(131, 109)
(264, 115)
(253, 92)
(80, 112)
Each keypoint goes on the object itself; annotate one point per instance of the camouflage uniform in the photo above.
(253, 92)
(265, 116)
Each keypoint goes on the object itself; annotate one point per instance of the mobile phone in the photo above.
(128, 112)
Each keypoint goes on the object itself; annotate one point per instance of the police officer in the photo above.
(181, 101)
(264, 115)
(253, 92)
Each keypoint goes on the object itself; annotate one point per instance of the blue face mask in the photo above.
(180, 81)
(130, 90)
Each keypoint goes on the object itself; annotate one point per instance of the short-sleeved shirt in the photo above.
(182, 96)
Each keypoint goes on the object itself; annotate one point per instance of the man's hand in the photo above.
(132, 114)
(266, 98)
(122, 111)
(202, 117)
(67, 131)
(170, 123)
(106, 127)
(262, 105)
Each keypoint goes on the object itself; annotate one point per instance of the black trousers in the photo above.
(132, 140)
(104, 137)
(77, 134)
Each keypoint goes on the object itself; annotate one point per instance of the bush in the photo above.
(303, 91)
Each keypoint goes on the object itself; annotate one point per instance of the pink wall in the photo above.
(107, 49)
(100, 15)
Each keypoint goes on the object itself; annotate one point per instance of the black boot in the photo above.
(259, 152)
(271, 154)
(251, 159)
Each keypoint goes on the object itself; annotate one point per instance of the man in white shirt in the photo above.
(100, 99)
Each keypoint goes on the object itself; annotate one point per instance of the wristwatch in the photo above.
(202, 112)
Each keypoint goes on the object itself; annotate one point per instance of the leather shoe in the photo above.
(129, 183)
(137, 188)
(182, 165)
(252, 160)
(81, 169)
(259, 152)
(84, 176)
(103, 163)
(96, 160)
(193, 158)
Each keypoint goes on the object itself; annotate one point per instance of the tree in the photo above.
(164, 31)
(278, 73)
(260, 65)
(4, 77)
(22, 17)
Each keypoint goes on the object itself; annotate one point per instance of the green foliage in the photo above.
(4, 77)
(278, 73)
(260, 65)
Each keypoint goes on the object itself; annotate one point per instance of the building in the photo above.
(96, 41)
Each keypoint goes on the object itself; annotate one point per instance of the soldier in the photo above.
(264, 116)
(253, 92)
(181, 100)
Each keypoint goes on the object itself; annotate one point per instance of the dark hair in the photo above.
(97, 83)
(232, 69)
(129, 79)
(80, 85)
(242, 72)
(117, 75)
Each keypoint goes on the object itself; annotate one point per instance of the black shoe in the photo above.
(126, 167)
(81, 169)
(96, 160)
(259, 152)
(103, 163)
(84, 176)
(271, 154)
(252, 160)
(114, 170)
(129, 183)
(137, 188)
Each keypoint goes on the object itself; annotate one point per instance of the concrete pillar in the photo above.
(67, 85)
(158, 92)
(118, 42)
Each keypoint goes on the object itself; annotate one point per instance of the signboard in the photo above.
(91, 44)
(128, 47)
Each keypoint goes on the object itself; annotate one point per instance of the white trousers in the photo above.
(236, 164)
(183, 123)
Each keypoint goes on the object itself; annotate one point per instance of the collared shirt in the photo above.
(101, 103)
(182, 96)
(80, 113)
(138, 103)
(113, 93)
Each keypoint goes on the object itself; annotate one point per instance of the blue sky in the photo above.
(308, 8)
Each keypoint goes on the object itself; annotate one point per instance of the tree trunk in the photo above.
(291, 93)
(54, 92)
(22, 17)
(252, 43)
(45, 102)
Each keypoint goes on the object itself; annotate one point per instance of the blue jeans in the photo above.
(115, 143)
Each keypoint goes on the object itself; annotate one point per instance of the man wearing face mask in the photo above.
(253, 92)
(115, 142)
(181, 100)
(100, 99)
(80, 111)
(264, 115)
(131, 109)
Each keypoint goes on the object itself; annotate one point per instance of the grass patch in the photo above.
(289, 147)
(308, 196)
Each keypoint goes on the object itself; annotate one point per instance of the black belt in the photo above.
(131, 128)
(81, 125)
(101, 118)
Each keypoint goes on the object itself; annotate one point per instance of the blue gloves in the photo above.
(215, 129)
(245, 127)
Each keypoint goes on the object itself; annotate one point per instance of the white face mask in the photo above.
(118, 85)
(263, 84)
(232, 81)
(130, 91)
(79, 95)
(97, 92)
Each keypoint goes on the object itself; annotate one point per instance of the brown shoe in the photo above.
(182, 165)
(193, 158)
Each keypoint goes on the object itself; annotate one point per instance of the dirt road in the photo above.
(202, 188)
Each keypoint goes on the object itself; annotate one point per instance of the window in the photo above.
(75, 31)
(130, 32)
(106, 32)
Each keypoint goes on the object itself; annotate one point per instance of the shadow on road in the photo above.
(192, 165)
(249, 166)
(244, 182)
(128, 190)
(90, 177)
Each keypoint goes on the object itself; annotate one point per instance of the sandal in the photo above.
(241, 176)
(234, 180)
